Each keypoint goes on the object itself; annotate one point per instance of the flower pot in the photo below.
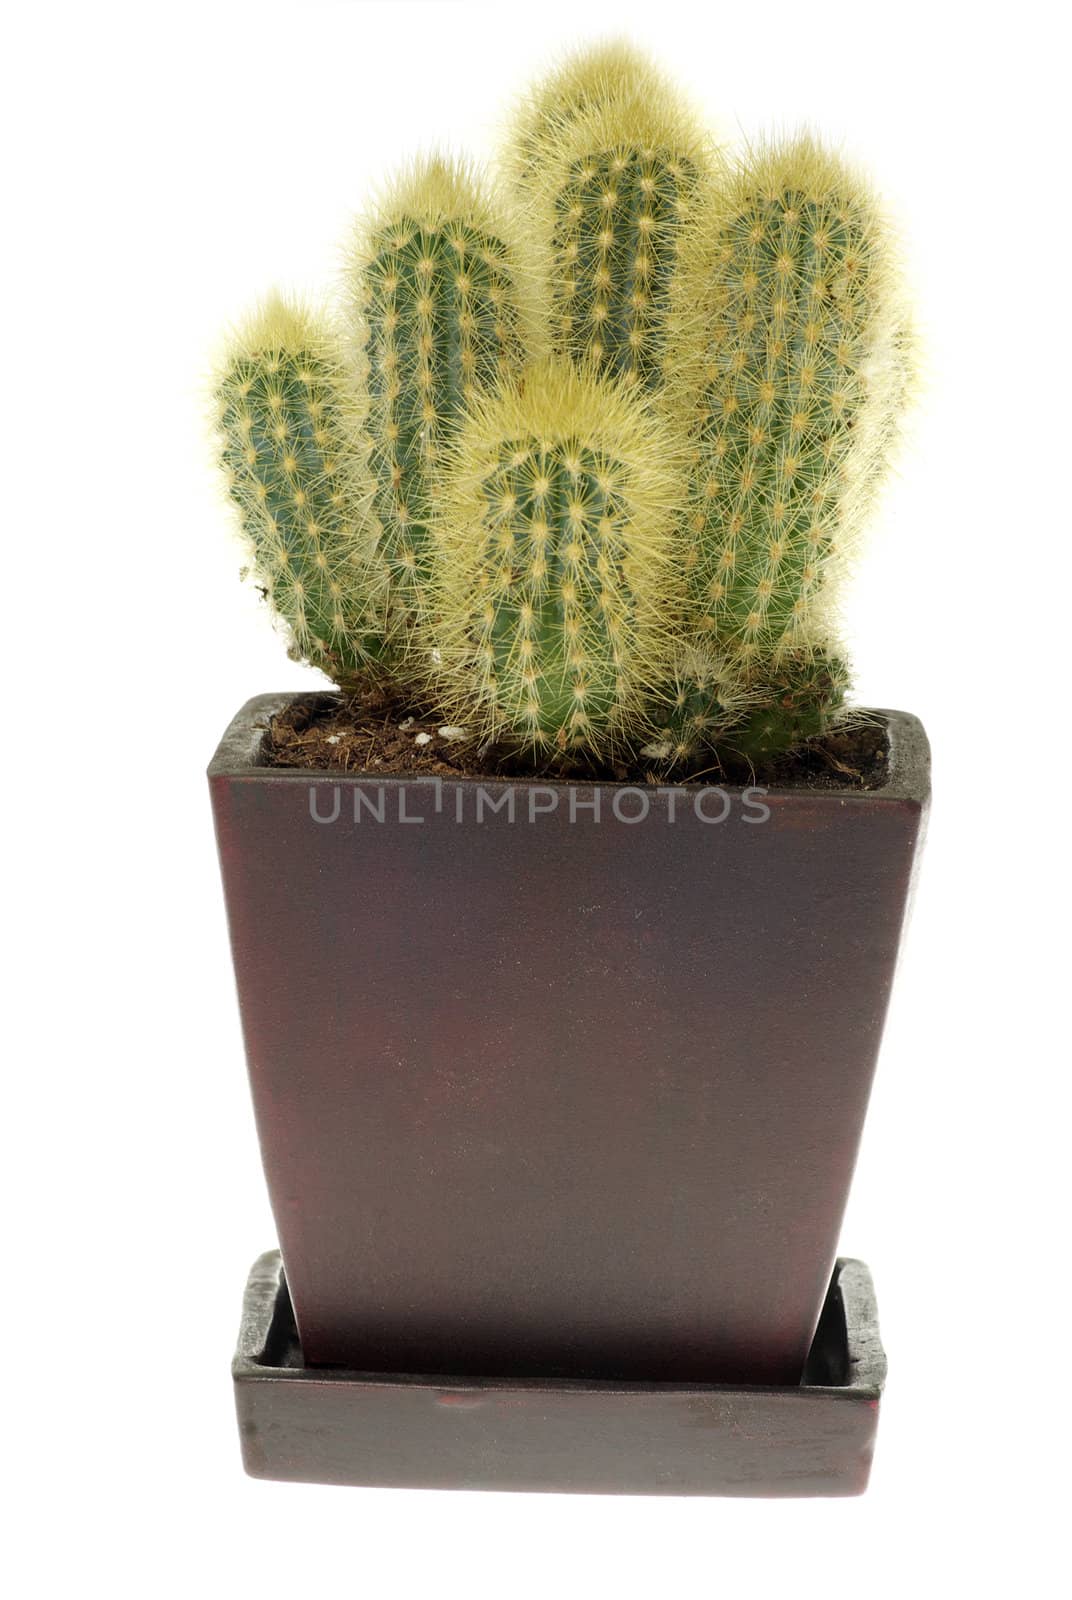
(556, 1079)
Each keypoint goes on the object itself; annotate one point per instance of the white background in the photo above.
(164, 166)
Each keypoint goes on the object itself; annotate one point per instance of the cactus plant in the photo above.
(285, 429)
(796, 699)
(805, 377)
(605, 444)
(439, 294)
(555, 578)
(697, 705)
(616, 171)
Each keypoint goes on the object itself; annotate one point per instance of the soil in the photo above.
(374, 733)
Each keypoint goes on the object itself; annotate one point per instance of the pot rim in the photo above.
(237, 756)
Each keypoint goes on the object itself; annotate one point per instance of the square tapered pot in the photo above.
(556, 1079)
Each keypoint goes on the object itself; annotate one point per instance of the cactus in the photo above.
(555, 577)
(806, 374)
(285, 434)
(800, 699)
(692, 711)
(616, 172)
(441, 298)
(609, 441)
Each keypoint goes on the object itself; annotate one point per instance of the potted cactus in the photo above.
(564, 928)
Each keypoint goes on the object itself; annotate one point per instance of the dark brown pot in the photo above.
(558, 1095)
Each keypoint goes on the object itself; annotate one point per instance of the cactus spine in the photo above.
(284, 419)
(582, 81)
(555, 576)
(805, 375)
(616, 173)
(440, 297)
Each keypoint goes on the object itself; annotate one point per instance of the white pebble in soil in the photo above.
(423, 738)
(451, 734)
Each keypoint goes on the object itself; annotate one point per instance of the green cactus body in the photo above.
(554, 640)
(805, 375)
(618, 219)
(615, 190)
(692, 710)
(555, 578)
(285, 435)
(441, 304)
(800, 699)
